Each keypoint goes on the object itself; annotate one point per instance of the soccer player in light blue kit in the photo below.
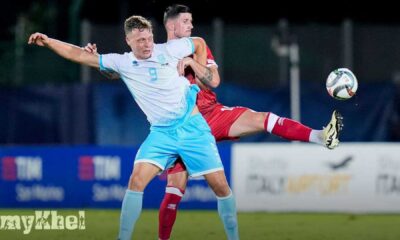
(169, 102)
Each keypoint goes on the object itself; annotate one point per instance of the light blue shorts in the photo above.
(192, 141)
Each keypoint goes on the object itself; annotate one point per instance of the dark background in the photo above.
(45, 101)
(240, 12)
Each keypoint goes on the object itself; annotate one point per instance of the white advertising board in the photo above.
(355, 177)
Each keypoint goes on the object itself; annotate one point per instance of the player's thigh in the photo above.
(198, 148)
(218, 183)
(177, 175)
(142, 174)
(250, 122)
(221, 119)
(159, 149)
(178, 180)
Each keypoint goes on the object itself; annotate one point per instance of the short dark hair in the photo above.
(174, 10)
(138, 22)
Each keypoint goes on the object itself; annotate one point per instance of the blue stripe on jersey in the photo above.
(102, 68)
(191, 97)
(192, 44)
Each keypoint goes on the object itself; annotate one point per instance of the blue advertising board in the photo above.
(85, 177)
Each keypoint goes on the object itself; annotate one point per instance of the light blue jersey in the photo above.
(168, 100)
(154, 83)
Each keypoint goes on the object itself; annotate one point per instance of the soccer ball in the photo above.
(342, 84)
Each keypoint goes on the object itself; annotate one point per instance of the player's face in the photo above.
(183, 25)
(141, 42)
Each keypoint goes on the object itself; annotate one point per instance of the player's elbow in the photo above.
(214, 83)
(110, 75)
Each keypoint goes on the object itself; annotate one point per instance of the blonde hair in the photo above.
(137, 22)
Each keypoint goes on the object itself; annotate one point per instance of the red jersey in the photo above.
(206, 98)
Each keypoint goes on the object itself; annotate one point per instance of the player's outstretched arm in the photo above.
(65, 50)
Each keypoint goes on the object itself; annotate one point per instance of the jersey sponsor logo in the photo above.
(24, 168)
(280, 121)
(171, 206)
(162, 60)
(225, 108)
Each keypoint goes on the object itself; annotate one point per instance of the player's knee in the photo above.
(178, 180)
(259, 119)
(222, 189)
(261, 116)
(136, 183)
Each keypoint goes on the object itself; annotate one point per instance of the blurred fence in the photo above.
(245, 52)
(106, 113)
(46, 99)
(46, 115)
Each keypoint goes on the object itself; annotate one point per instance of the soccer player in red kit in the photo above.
(226, 122)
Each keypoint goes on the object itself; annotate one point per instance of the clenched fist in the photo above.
(39, 39)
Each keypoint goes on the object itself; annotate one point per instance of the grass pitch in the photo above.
(205, 225)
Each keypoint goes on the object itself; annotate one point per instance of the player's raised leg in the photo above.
(251, 122)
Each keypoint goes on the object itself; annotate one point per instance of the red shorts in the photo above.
(220, 119)
(178, 166)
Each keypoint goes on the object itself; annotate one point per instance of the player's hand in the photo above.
(182, 64)
(90, 48)
(39, 39)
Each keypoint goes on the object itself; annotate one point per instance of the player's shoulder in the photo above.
(209, 52)
(117, 58)
(167, 46)
(186, 40)
(177, 45)
(178, 41)
(160, 48)
(117, 55)
(197, 38)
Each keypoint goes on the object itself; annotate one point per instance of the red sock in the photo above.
(287, 128)
(168, 210)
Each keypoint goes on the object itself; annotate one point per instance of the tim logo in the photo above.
(99, 168)
(21, 168)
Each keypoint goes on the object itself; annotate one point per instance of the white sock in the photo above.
(316, 137)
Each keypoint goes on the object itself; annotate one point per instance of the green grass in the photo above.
(205, 225)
